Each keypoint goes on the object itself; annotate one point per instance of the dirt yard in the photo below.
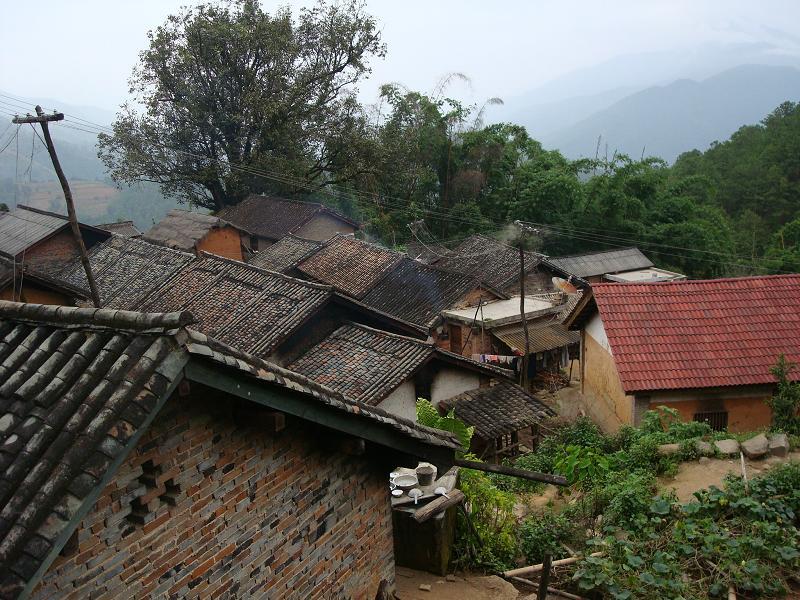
(699, 474)
(466, 586)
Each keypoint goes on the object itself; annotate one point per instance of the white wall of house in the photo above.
(449, 382)
(402, 401)
(597, 330)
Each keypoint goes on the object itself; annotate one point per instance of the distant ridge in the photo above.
(683, 115)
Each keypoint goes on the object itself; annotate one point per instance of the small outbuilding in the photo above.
(195, 232)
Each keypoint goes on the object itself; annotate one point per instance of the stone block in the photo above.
(756, 447)
(667, 449)
(704, 448)
(779, 445)
(727, 447)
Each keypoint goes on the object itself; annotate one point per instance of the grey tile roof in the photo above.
(498, 409)
(285, 254)
(363, 363)
(123, 228)
(368, 364)
(416, 292)
(22, 227)
(77, 389)
(241, 305)
(126, 270)
(541, 336)
(182, 230)
(599, 263)
(351, 266)
(274, 218)
(488, 259)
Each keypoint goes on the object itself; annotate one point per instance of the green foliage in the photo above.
(785, 404)
(492, 512)
(582, 465)
(224, 84)
(697, 550)
(428, 415)
(547, 533)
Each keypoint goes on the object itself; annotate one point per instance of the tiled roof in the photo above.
(498, 409)
(488, 259)
(275, 218)
(123, 228)
(23, 227)
(77, 389)
(599, 263)
(368, 364)
(427, 253)
(695, 334)
(363, 363)
(541, 337)
(241, 305)
(351, 266)
(182, 230)
(126, 270)
(416, 292)
(285, 254)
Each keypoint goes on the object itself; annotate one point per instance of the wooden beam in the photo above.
(512, 472)
(436, 506)
(538, 568)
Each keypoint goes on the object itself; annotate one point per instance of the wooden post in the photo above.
(43, 120)
(525, 357)
(512, 471)
(544, 578)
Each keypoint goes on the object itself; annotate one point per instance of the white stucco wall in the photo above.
(402, 402)
(597, 330)
(450, 382)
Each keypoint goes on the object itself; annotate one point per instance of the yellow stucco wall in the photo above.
(606, 401)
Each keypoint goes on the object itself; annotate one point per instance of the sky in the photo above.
(82, 51)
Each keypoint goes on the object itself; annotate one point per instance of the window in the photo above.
(718, 421)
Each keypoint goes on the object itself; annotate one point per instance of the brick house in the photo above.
(704, 348)
(42, 240)
(270, 219)
(22, 283)
(195, 232)
(625, 265)
(142, 458)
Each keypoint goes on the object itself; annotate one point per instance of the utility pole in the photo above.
(525, 356)
(43, 120)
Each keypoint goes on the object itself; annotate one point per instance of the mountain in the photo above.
(667, 120)
(575, 96)
(27, 176)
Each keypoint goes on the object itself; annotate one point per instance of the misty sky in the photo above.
(83, 50)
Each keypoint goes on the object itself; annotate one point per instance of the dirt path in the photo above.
(697, 475)
(465, 587)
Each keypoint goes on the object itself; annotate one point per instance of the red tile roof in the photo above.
(696, 334)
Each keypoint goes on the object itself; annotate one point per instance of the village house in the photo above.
(270, 219)
(144, 459)
(390, 371)
(498, 264)
(42, 240)
(196, 232)
(704, 348)
(626, 265)
(504, 416)
(22, 284)
(284, 255)
(123, 228)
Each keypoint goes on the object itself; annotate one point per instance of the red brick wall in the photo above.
(283, 515)
(57, 250)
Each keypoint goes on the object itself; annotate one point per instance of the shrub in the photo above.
(785, 404)
(545, 534)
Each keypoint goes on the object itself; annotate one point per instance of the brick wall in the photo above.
(57, 250)
(232, 511)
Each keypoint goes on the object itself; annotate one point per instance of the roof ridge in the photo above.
(386, 333)
(577, 254)
(41, 211)
(100, 317)
(691, 282)
(311, 284)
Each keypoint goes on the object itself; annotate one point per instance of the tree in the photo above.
(230, 90)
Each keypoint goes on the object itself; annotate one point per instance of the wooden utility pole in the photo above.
(43, 120)
(525, 357)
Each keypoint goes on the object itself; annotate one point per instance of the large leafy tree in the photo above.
(236, 100)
